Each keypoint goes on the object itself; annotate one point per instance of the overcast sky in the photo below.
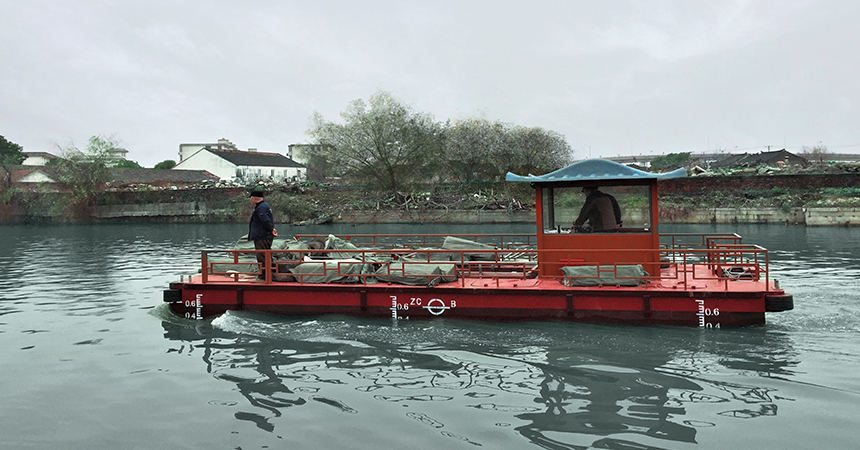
(614, 77)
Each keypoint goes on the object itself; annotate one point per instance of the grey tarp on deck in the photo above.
(416, 274)
(458, 245)
(331, 271)
(624, 275)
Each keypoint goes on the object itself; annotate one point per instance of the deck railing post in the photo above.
(267, 266)
(204, 259)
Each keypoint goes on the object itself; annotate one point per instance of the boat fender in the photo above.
(778, 302)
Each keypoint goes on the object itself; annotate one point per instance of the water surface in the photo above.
(92, 359)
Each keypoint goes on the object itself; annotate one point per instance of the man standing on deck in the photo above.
(261, 229)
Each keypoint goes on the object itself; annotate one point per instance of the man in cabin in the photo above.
(261, 229)
(600, 210)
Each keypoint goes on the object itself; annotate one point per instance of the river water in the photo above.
(91, 359)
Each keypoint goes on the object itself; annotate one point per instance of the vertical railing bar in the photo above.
(205, 269)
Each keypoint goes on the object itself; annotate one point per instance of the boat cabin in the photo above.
(596, 212)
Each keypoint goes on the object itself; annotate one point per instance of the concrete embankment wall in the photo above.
(201, 211)
(154, 210)
(166, 212)
(437, 216)
(800, 216)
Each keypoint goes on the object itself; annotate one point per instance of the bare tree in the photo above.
(817, 153)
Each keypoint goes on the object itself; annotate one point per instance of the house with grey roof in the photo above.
(227, 162)
(159, 177)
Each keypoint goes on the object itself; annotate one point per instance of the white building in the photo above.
(227, 162)
(186, 150)
(32, 175)
(37, 158)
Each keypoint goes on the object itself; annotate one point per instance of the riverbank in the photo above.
(807, 199)
(201, 212)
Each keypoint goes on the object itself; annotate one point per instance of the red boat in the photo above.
(621, 270)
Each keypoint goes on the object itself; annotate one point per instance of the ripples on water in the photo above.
(80, 308)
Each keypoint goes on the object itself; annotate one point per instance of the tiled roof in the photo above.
(126, 175)
(19, 172)
(43, 154)
(241, 158)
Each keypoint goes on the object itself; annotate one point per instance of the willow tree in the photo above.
(481, 149)
(472, 146)
(534, 150)
(382, 141)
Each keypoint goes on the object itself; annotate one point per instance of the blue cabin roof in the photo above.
(595, 170)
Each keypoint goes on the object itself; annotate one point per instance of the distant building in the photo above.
(302, 153)
(33, 174)
(186, 150)
(775, 158)
(42, 158)
(159, 177)
(42, 177)
(118, 154)
(227, 162)
(37, 158)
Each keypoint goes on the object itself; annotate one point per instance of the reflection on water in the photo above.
(581, 387)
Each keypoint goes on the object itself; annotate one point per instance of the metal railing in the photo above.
(683, 260)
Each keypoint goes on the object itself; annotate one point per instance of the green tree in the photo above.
(10, 153)
(85, 172)
(670, 161)
(166, 164)
(127, 164)
(534, 150)
(471, 147)
(383, 141)
(479, 148)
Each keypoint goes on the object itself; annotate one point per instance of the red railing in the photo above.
(684, 259)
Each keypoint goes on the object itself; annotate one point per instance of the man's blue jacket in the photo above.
(262, 223)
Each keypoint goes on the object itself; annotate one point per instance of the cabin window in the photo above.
(562, 207)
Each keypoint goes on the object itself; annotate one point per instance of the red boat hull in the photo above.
(507, 300)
